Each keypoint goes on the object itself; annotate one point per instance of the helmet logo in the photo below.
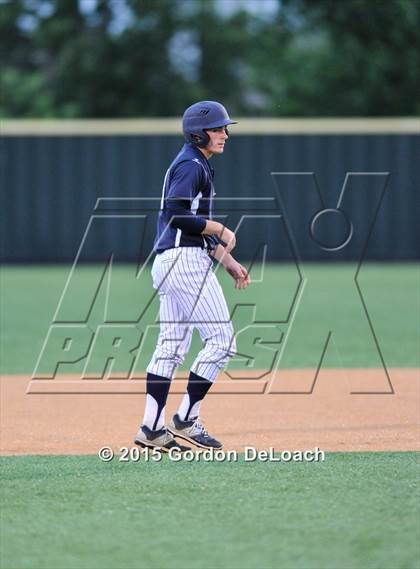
(204, 111)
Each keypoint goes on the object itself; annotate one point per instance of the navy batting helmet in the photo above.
(201, 116)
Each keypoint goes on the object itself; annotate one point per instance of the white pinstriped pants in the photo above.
(190, 297)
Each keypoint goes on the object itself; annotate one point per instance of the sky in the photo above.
(122, 14)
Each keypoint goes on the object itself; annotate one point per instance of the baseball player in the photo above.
(190, 295)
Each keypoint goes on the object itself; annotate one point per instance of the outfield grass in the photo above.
(352, 511)
(29, 297)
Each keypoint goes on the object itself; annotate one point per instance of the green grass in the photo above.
(354, 510)
(330, 301)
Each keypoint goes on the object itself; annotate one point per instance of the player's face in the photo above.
(218, 137)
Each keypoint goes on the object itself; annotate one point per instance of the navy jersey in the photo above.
(186, 202)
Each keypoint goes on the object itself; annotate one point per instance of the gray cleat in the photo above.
(161, 440)
(193, 432)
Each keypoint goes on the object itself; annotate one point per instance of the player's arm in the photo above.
(184, 186)
(183, 218)
(222, 232)
(185, 183)
(235, 269)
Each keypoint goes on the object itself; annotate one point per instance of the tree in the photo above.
(312, 58)
(348, 58)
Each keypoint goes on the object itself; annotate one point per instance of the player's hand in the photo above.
(238, 273)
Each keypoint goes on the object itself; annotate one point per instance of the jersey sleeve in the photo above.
(186, 181)
(184, 185)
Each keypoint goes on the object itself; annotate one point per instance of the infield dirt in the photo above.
(331, 417)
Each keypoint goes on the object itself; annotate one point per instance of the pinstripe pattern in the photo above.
(190, 297)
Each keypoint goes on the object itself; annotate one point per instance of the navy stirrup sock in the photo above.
(197, 389)
(158, 388)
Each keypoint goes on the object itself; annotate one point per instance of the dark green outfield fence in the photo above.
(99, 195)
